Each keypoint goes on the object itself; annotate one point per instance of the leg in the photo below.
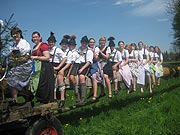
(14, 93)
(94, 89)
(73, 80)
(82, 88)
(149, 81)
(115, 82)
(108, 83)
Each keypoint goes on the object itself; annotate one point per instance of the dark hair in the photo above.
(35, 32)
(159, 50)
(140, 42)
(120, 42)
(152, 47)
(133, 44)
(92, 39)
(16, 30)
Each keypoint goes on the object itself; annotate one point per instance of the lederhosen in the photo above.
(78, 66)
(107, 69)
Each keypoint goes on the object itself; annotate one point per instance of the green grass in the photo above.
(133, 114)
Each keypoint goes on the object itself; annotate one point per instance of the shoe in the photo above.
(82, 102)
(115, 92)
(142, 91)
(153, 85)
(94, 99)
(110, 96)
(102, 95)
(61, 104)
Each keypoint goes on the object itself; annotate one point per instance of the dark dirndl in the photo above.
(45, 89)
(108, 70)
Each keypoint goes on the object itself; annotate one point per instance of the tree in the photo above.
(5, 37)
(174, 9)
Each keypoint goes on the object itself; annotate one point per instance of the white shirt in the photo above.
(160, 57)
(116, 55)
(133, 54)
(153, 55)
(74, 56)
(85, 55)
(142, 52)
(23, 46)
(96, 50)
(58, 55)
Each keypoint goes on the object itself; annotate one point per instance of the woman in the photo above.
(124, 67)
(112, 66)
(19, 75)
(58, 57)
(143, 69)
(104, 53)
(81, 68)
(153, 60)
(95, 71)
(159, 68)
(133, 64)
(41, 55)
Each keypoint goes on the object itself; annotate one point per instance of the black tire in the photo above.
(42, 126)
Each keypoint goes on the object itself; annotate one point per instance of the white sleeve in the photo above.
(127, 53)
(60, 53)
(119, 57)
(156, 55)
(24, 47)
(108, 50)
(96, 51)
(161, 57)
(136, 53)
(89, 56)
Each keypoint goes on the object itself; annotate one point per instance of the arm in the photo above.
(61, 63)
(45, 57)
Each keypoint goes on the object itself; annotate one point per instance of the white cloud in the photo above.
(162, 19)
(152, 8)
(145, 7)
(120, 2)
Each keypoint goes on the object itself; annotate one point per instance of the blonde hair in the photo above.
(102, 38)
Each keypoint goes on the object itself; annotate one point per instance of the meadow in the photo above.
(128, 114)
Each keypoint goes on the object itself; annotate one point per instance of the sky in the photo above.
(128, 20)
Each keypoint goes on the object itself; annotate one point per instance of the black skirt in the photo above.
(45, 90)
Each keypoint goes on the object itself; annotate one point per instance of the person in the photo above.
(124, 67)
(85, 59)
(111, 68)
(159, 68)
(153, 60)
(18, 76)
(95, 71)
(44, 90)
(143, 69)
(133, 64)
(104, 53)
(63, 56)
(56, 56)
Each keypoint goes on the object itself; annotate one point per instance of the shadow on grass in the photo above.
(115, 103)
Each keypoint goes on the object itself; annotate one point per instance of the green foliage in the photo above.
(176, 23)
(5, 37)
(128, 114)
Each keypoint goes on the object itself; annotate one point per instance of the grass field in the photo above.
(133, 114)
